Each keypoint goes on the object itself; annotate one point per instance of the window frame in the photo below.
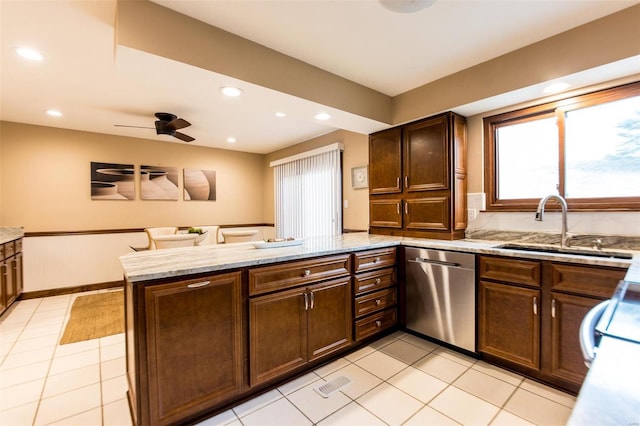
(557, 108)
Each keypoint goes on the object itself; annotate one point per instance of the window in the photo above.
(585, 148)
(308, 191)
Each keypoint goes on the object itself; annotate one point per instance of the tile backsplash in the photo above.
(599, 223)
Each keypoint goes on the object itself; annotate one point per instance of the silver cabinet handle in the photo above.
(376, 260)
(198, 285)
(378, 302)
(398, 208)
(306, 273)
(553, 308)
(406, 208)
(313, 299)
(306, 302)
(406, 182)
(398, 182)
(378, 324)
(535, 306)
(378, 281)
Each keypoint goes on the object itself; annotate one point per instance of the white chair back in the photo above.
(211, 236)
(154, 232)
(175, 240)
(239, 236)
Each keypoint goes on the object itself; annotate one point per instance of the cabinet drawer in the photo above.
(510, 270)
(9, 250)
(374, 259)
(292, 274)
(586, 280)
(376, 280)
(375, 323)
(374, 302)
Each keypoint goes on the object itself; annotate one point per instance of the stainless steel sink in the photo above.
(567, 250)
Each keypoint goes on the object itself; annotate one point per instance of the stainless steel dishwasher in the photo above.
(441, 296)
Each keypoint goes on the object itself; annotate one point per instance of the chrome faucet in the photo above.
(563, 204)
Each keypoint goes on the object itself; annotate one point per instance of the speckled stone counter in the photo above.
(156, 264)
(8, 233)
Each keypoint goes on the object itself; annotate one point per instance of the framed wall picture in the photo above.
(110, 181)
(359, 177)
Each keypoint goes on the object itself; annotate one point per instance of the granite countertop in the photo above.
(167, 263)
(610, 394)
(10, 233)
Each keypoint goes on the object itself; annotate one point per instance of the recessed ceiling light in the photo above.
(280, 114)
(322, 116)
(28, 53)
(406, 6)
(556, 87)
(54, 113)
(231, 140)
(231, 91)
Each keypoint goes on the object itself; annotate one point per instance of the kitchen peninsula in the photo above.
(209, 326)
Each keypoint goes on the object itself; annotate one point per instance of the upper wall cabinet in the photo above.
(417, 178)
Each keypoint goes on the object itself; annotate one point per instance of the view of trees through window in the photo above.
(586, 149)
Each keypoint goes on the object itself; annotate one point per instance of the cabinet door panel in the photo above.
(278, 334)
(9, 282)
(330, 320)
(566, 357)
(428, 213)
(385, 162)
(426, 155)
(194, 331)
(509, 323)
(385, 213)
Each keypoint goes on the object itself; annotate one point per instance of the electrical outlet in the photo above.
(471, 214)
(346, 204)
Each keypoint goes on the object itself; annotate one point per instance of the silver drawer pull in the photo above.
(553, 308)
(378, 302)
(535, 306)
(306, 302)
(313, 299)
(306, 273)
(376, 260)
(378, 324)
(198, 285)
(378, 280)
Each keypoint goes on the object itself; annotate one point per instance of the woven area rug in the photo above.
(94, 316)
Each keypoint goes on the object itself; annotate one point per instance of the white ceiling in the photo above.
(97, 85)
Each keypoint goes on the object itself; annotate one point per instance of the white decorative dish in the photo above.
(274, 244)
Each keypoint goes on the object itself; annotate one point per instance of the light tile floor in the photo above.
(399, 379)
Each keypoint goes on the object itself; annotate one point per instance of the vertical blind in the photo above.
(308, 193)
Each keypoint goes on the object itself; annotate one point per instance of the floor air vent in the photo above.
(327, 389)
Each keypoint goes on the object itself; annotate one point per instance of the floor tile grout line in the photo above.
(46, 377)
(19, 334)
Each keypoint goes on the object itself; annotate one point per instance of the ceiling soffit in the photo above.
(151, 28)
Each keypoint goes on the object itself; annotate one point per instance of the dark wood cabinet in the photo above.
(509, 323)
(308, 314)
(11, 281)
(530, 313)
(417, 179)
(375, 292)
(191, 347)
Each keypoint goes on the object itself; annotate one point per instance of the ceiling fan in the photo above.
(167, 124)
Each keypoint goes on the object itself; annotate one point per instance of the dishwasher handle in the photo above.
(435, 262)
(588, 332)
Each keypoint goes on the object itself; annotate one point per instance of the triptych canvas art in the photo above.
(111, 181)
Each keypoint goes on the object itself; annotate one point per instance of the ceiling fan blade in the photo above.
(135, 127)
(183, 137)
(178, 123)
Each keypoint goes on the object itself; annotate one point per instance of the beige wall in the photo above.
(356, 153)
(45, 174)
